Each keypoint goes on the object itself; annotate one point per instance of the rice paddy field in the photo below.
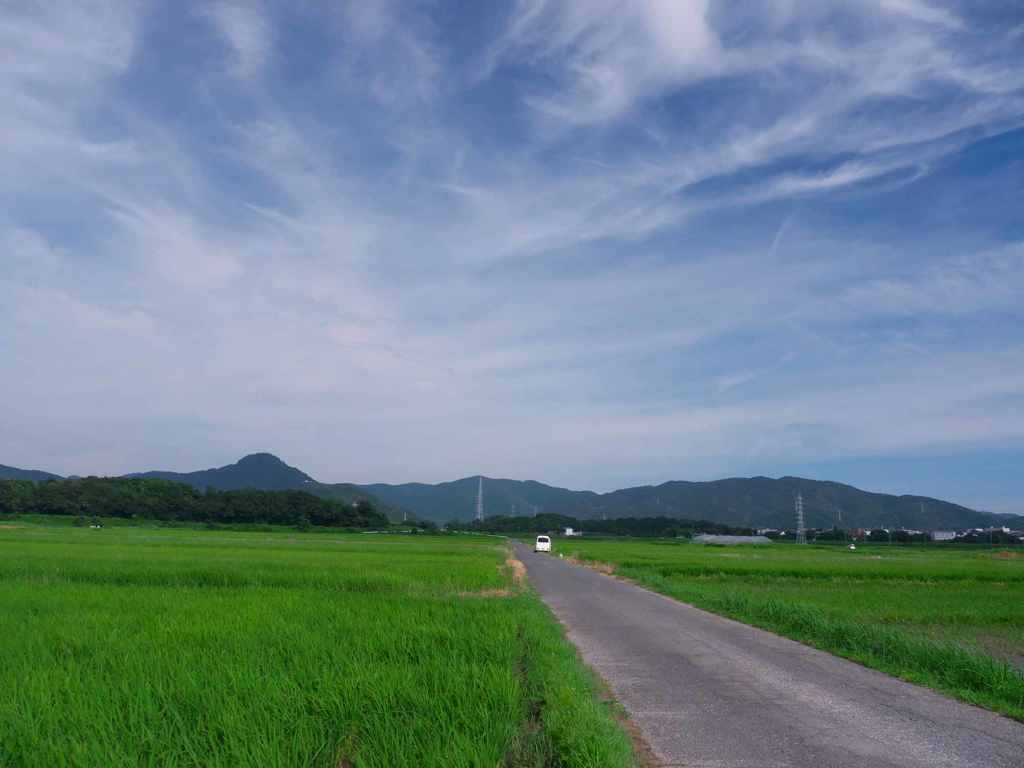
(151, 647)
(952, 619)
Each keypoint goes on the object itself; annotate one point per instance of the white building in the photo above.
(943, 535)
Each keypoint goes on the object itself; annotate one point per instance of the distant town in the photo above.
(992, 534)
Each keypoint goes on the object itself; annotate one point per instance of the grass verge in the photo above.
(565, 722)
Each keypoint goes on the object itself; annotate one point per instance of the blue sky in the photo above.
(591, 243)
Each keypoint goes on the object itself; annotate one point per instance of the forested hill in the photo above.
(159, 499)
(262, 471)
(752, 502)
(265, 471)
(257, 471)
(741, 501)
(456, 500)
(768, 502)
(36, 475)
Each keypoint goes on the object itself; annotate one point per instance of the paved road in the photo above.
(710, 692)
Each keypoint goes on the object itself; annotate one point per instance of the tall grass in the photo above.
(191, 649)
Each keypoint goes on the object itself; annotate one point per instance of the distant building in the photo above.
(943, 535)
(572, 532)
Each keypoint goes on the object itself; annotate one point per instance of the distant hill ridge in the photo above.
(267, 472)
(36, 475)
(263, 471)
(750, 502)
(744, 501)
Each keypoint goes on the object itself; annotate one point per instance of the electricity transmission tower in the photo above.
(479, 517)
(801, 536)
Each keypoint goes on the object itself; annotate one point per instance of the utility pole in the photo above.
(479, 517)
(839, 524)
(801, 536)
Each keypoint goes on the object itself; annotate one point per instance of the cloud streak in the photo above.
(246, 33)
(586, 242)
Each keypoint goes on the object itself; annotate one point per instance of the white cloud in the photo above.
(28, 256)
(989, 281)
(927, 12)
(57, 59)
(246, 31)
(380, 268)
(845, 175)
(69, 45)
(609, 54)
(388, 52)
(169, 242)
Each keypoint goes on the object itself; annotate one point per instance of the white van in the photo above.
(543, 544)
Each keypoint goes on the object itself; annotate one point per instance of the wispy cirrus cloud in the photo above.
(609, 55)
(572, 240)
(246, 31)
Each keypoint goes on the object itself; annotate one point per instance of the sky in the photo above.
(592, 243)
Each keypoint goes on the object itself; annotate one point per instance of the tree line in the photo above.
(622, 526)
(157, 499)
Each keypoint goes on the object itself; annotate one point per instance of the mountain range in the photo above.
(745, 501)
(36, 475)
(752, 502)
(266, 472)
(262, 471)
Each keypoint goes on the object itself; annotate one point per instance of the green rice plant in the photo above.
(136, 647)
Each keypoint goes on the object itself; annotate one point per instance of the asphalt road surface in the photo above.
(710, 692)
